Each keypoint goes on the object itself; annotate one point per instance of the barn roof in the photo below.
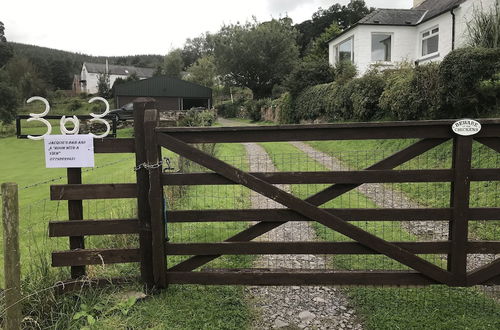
(122, 70)
(163, 86)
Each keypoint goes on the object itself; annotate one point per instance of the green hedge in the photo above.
(461, 74)
(465, 84)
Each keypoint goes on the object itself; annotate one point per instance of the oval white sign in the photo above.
(466, 127)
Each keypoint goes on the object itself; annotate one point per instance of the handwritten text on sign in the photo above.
(66, 151)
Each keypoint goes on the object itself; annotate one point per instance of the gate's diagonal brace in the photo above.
(493, 143)
(333, 191)
(484, 273)
(306, 209)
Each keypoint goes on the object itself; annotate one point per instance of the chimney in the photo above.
(417, 3)
(107, 67)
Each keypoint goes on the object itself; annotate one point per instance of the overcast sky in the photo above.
(128, 27)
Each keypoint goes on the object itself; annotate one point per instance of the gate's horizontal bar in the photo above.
(93, 191)
(94, 257)
(93, 227)
(114, 146)
(249, 248)
(485, 174)
(367, 176)
(351, 131)
(273, 215)
(284, 277)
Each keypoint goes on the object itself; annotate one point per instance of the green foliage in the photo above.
(256, 55)
(342, 15)
(412, 93)
(314, 102)
(6, 53)
(319, 47)
(8, 103)
(254, 108)
(203, 71)
(103, 88)
(484, 28)
(344, 71)
(312, 70)
(24, 76)
(460, 77)
(365, 95)
(286, 110)
(198, 118)
(2, 33)
(75, 104)
(229, 109)
(196, 48)
(173, 64)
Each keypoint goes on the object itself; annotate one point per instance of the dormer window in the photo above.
(430, 41)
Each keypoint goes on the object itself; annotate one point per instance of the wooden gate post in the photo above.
(153, 152)
(459, 202)
(143, 210)
(75, 212)
(12, 257)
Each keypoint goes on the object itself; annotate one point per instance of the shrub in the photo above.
(254, 108)
(197, 118)
(313, 102)
(460, 76)
(365, 94)
(74, 104)
(484, 28)
(344, 71)
(287, 113)
(311, 71)
(229, 109)
(412, 93)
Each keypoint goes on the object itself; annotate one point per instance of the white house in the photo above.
(91, 71)
(426, 32)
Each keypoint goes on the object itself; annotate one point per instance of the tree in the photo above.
(256, 55)
(24, 76)
(2, 33)
(6, 53)
(197, 48)
(312, 70)
(319, 46)
(103, 88)
(203, 71)
(8, 102)
(344, 16)
(61, 74)
(173, 64)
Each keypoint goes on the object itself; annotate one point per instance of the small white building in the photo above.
(427, 32)
(91, 72)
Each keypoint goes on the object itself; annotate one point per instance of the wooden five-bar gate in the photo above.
(151, 180)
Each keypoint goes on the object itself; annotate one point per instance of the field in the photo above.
(197, 307)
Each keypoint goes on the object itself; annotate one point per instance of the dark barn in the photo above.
(169, 93)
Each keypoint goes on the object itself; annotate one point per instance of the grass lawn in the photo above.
(435, 307)
(180, 307)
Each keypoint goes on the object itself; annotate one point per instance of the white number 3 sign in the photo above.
(74, 120)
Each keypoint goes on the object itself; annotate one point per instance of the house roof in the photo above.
(393, 17)
(406, 17)
(121, 70)
(163, 86)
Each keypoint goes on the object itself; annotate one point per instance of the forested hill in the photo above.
(53, 63)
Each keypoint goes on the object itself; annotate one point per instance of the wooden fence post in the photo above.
(153, 152)
(459, 202)
(75, 212)
(12, 257)
(143, 210)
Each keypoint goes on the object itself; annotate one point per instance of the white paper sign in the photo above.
(65, 151)
(466, 127)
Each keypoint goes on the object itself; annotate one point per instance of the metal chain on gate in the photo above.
(150, 167)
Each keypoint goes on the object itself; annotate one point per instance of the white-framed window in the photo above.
(381, 47)
(430, 41)
(344, 51)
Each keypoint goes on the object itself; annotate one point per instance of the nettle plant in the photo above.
(64, 121)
